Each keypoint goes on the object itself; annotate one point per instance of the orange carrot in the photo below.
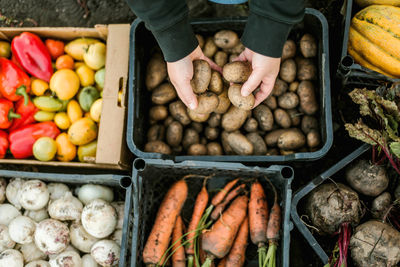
(158, 240)
(221, 206)
(237, 255)
(222, 263)
(218, 241)
(258, 214)
(219, 197)
(178, 256)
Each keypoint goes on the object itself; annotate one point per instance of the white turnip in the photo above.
(117, 236)
(51, 236)
(67, 259)
(40, 263)
(66, 208)
(5, 240)
(3, 186)
(99, 218)
(119, 208)
(13, 191)
(106, 253)
(57, 190)
(89, 192)
(11, 258)
(31, 252)
(37, 215)
(80, 238)
(34, 195)
(7, 213)
(22, 229)
(88, 261)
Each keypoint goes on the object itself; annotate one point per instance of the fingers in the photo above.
(253, 82)
(185, 93)
(263, 93)
(241, 57)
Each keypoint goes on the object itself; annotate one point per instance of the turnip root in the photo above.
(51, 236)
(375, 244)
(5, 240)
(366, 178)
(88, 261)
(106, 253)
(80, 238)
(8, 213)
(11, 258)
(117, 236)
(380, 205)
(37, 215)
(99, 218)
(31, 252)
(13, 191)
(66, 208)
(67, 259)
(57, 190)
(68, 248)
(3, 185)
(89, 192)
(34, 195)
(22, 229)
(119, 208)
(40, 263)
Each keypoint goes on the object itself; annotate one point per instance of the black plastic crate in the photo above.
(302, 193)
(122, 188)
(153, 177)
(141, 45)
(350, 72)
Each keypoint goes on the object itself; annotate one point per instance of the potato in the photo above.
(293, 86)
(174, 134)
(226, 39)
(237, 72)
(271, 139)
(214, 149)
(289, 50)
(157, 147)
(216, 84)
(214, 120)
(286, 152)
(280, 87)
(237, 49)
(380, 205)
(200, 39)
(158, 113)
(156, 132)
(211, 133)
(197, 126)
(209, 48)
(220, 58)
(309, 123)
(201, 76)
(295, 116)
(282, 118)
(163, 94)
(190, 137)
(308, 102)
(208, 102)
(288, 100)
(291, 139)
(288, 70)
(234, 119)
(224, 141)
(240, 144)
(168, 121)
(366, 178)
(308, 46)
(306, 70)
(197, 150)
(272, 152)
(271, 102)
(236, 98)
(197, 117)
(156, 71)
(178, 112)
(224, 103)
(251, 125)
(258, 143)
(232, 57)
(313, 139)
(203, 141)
(264, 117)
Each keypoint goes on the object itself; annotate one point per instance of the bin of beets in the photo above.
(350, 213)
(69, 218)
(293, 124)
(153, 178)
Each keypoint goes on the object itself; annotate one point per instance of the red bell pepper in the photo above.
(7, 113)
(32, 54)
(23, 139)
(27, 113)
(14, 82)
(3, 144)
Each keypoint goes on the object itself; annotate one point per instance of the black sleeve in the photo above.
(168, 21)
(269, 24)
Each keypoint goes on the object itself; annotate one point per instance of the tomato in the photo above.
(66, 151)
(62, 121)
(86, 75)
(55, 47)
(95, 56)
(39, 86)
(44, 149)
(74, 111)
(65, 83)
(5, 49)
(65, 62)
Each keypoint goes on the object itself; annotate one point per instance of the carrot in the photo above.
(237, 255)
(222, 263)
(158, 240)
(178, 256)
(221, 206)
(219, 197)
(218, 241)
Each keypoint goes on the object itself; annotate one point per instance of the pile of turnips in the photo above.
(52, 225)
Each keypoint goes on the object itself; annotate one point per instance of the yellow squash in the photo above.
(82, 132)
(364, 3)
(66, 151)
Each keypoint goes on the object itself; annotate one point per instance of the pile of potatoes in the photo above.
(225, 122)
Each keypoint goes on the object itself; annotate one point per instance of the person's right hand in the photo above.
(181, 72)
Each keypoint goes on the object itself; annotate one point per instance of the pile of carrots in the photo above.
(217, 232)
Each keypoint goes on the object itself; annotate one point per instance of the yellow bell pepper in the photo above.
(39, 86)
(62, 121)
(65, 83)
(66, 151)
(86, 75)
(74, 111)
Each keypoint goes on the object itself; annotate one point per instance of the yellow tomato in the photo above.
(82, 132)
(95, 109)
(65, 83)
(39, 86)
(78, 64)
(66, 151)
(86, 75)
(44, 149)
(43, 116)
(87, 153)
(95, 56)
(74, 111)
(77, 47)
(62, 121)
(5, 49)
(87, 115)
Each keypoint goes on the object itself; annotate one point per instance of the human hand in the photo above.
(181, 72)
(263, 76)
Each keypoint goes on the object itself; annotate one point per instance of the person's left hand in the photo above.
(263, 76)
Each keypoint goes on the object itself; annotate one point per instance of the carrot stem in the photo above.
(262, 250)
(270, 259)
(207, 263)
(190, 261)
